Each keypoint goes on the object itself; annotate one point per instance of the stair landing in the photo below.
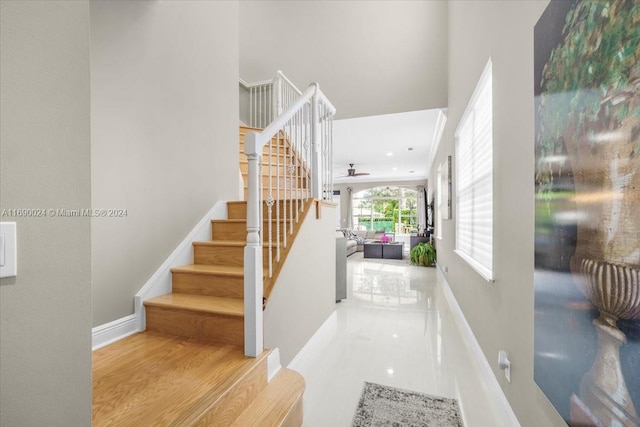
(162, 380)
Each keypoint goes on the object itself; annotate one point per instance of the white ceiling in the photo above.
(369, 57)
(380, 145)
(383, 65)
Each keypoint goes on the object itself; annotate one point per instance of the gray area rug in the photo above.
(388, 406)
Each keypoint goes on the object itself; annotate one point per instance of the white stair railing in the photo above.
(288, 163)
(269, 98)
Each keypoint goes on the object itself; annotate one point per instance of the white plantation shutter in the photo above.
(474, 179)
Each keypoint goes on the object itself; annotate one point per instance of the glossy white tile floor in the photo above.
(394, 328)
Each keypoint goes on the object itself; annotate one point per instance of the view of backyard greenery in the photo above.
(390, 209)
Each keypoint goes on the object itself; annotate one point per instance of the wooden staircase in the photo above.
(188, 368)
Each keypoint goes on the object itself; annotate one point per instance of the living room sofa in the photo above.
(356, 239)
(351, 245)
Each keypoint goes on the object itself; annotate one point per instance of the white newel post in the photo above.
(316, 153)
(253, 282)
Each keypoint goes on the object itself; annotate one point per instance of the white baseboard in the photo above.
(485, 369)
(317, 341)
(160, 281)
(273, 364)
(113, 331)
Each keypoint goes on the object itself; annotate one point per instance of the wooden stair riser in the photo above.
(230, 230)
(283, 164)
(275, 148)
(243, 133)
(301, 180)
(280, 140)
(276, 170)
(296, 193)
(296, 416)
(195, 324)
(223, 286)
(220, 255)
(299, 170)
(280, 404)
(282, 184)
(229, 407)
(285, 158)
(238, 210)
(278, 137)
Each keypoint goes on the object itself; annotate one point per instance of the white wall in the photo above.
(305, 294)
(500, 313)
(370, 57)
(45, 312)
(164, 116)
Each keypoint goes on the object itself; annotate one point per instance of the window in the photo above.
(474, 179)
(389, 209)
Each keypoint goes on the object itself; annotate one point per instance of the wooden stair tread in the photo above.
(275, 402)
(228, 243)
(250, 128)
(243, 220)
(217, 270)
(153, 379)
(212, 269)
(200, 303)
(275, 143)
(244, 202)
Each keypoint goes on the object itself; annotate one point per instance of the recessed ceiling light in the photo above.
(390, 371)
(389, 154)
(395, 169)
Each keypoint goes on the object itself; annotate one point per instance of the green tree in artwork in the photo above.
(590, 78)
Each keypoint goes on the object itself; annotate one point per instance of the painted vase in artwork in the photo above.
(591, 105)
(607, 257)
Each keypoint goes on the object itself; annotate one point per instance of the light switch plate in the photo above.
(9, 249)
(2, 249)
(505, 364)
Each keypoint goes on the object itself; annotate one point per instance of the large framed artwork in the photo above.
(587, 229)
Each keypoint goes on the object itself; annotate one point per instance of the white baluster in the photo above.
(297, 172)
(330, 125)
(290, 171)
(315, 145)
(278, 178)
(307, 151)
(279, 95)
(269, 203)
(284, 193)
(251, 90)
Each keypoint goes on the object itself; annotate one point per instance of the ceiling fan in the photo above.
(351, 172)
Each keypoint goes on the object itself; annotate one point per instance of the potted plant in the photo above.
(424, 253)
